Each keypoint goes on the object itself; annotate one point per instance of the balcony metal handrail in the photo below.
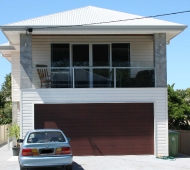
(96, 67)
(113, 73)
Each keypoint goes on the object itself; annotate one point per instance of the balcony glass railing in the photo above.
(93, 77)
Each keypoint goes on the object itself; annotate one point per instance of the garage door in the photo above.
(101, 129)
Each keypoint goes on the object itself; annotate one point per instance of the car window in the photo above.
(43, 137)
(26, 135)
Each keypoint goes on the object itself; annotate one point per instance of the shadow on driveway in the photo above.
(180, 155)
(75, 167)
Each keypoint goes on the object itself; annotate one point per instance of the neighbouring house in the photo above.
(99, 75)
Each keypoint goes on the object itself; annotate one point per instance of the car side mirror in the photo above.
(68, 138)
(20, 140)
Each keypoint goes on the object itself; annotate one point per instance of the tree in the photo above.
(5, 101)
(185, 94)
(6, 87)
(178, 109)
(2, 100)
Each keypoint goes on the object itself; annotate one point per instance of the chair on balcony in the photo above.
(145, 78)
(45, 78)
(61, 79)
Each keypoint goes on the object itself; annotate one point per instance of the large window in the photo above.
(80, 55)
(60, 55)
(92, 64)
(101, 54)
(120, 54)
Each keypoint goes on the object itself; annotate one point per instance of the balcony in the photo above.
(93, 77)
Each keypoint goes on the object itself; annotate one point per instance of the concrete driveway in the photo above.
(129, 162)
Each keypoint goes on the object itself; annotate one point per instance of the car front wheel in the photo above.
(69, 167)
(21, 168)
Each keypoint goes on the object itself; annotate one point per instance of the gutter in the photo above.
(6, 47)
(97, 27)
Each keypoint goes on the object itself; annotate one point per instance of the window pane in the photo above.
(121, 54)
(82, 78)
(44, 137)
(103, 77)
(60, 55)
(81, 55)
(101, 55)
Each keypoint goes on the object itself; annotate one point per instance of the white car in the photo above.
(45, 148)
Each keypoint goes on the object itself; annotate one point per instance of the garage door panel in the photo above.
(101, 129)
(112, 140)
(106, 132)
(109, 149)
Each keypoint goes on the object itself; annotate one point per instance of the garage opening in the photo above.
(101, 128)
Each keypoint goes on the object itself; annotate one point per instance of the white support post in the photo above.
(114, 77)
(73, 77)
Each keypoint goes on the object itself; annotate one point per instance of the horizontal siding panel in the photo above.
(161, 131)
(162, 109)
(15, 60)
(27, 117)
(161, 113)
(160, 117)
(162, 142)
(160, 123)
(60, 98)
(163, 145)
(38, 39)
(162, 139)
(27, 124)
(94, 91)
(161, 126)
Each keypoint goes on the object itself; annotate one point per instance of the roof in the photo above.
(90, 21)
(89, 15)
(6, 49)
(6, 46)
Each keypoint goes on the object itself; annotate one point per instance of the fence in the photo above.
(184, 142)
(3, 133)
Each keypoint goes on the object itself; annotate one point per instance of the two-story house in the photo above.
(99, 75)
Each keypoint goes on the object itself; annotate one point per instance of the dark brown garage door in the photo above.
(101, 129)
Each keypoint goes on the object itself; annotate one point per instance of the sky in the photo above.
(178, 51)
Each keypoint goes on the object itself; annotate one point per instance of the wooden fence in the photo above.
(184, 142)
(3, 133)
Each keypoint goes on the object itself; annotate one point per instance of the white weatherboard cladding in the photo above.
(141, 49)
(15, 60)
(158, 96)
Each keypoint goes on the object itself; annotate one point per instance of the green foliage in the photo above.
(6, 114)
(14, 131)
(6, 87)
(5, 101)
(185, 94)
(178, 109)
(2, 100)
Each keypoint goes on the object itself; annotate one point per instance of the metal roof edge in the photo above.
(7, 47)
(2, 55)
(59, 27)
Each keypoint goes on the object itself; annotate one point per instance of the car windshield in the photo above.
(45, 136)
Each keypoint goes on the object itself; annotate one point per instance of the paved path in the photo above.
(6, 154)
(130, 162)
